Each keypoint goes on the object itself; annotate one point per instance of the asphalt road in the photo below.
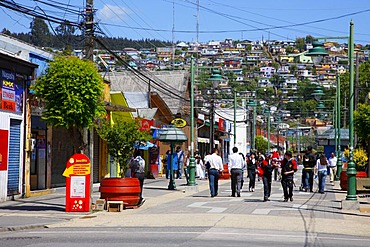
(174, 236)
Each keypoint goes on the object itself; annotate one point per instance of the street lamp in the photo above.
(215, 79)
(317, 53)
(172, 136)
(338, 135)
(191, 167)
(253, 104)
(267, 111)
(351, 170)
(318, 93)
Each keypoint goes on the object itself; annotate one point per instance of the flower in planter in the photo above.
(360, 157)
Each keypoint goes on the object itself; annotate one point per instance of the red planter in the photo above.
(121, 189)
(344, 178)
(225, 174)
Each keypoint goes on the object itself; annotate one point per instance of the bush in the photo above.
(360, 157)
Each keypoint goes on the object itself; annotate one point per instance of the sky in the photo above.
(176, 20)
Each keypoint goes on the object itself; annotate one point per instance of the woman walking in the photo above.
(321, 169)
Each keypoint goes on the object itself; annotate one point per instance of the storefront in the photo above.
(14, 74)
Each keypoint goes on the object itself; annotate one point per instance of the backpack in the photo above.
(136, 166)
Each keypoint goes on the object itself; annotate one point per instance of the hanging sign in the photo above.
(178, 122)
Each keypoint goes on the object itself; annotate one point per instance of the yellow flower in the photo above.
(359, 157)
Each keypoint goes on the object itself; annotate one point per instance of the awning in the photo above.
(144, 145)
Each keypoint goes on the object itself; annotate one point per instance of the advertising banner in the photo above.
(77, 175)
(11, 92)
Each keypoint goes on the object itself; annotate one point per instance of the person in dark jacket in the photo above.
(309, 162)
(287, 173)
(251, 169)
(268, 168)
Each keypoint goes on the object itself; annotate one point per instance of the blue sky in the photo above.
(218, 19)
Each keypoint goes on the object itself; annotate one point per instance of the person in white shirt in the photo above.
(321, 169)
(199, 167)
(215, 168)
(333, 166)
(236, 164)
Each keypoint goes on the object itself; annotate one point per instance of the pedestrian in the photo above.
(215, 168)
(276, 159)
(173, 158)
(321, 169)
(180, 161)
(137, 165)
(199, 167)
(332, 166)
(165, 163)
(251, 169)
(309, 162)
(288, 167)
(207, 163)
(268, 167)
(244, 166)
(235, 165)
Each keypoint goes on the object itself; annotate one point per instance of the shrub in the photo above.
(360, 157)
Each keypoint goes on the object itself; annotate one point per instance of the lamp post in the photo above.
(267, 111)
(351, 170)
(215, 79)
(172, 136)
(339, 149)
(252, 103)
(191, 167)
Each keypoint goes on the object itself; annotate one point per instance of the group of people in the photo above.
(317, 165)
(180, 163)
(263, 166)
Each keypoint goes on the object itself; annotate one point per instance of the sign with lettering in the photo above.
(77, 175)
(11, 91)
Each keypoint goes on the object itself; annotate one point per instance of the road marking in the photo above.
(265, 211)
(212, 209)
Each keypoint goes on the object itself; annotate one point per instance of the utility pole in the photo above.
(89, 55)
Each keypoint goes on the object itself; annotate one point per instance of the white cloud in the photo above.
(111, 13)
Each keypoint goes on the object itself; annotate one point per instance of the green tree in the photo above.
(362, 124)
(40, 34)
(300, 44)
(261, 144)
(66, 33)
(121, 137)
(309, 39)
(72, 90)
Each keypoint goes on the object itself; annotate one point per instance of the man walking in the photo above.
(216, 167)
(137, 165)
(287, 171)
(236, 165)
(309, 162)
(333, 166)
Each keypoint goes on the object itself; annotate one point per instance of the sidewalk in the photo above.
(183, 207)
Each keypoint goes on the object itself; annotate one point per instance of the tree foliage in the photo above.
(362, 123)
(121, 137)
(40, 34)
(261, 144)
(72, 90)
